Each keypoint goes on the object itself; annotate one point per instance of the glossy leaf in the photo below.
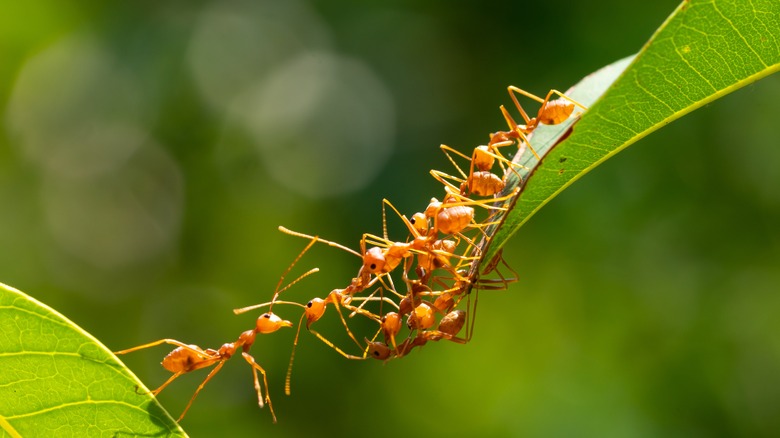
(705, 50)
(57, 380)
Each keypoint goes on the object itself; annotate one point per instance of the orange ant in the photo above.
(363, 280)
(480, 181)
(315, 308)
(455, 214)
(450, 217)
(386, 255)
(552, 112)
(185, 358)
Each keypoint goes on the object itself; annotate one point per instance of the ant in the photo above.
(480, 181)
(185, 358)
(552, 112)
(450, 217)
(385, 255)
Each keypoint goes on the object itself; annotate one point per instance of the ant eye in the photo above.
(373, 266)
(266, 315)
(412, 221)
(309, 304)
(376, 353)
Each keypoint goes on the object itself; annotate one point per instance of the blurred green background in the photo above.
(149, 150)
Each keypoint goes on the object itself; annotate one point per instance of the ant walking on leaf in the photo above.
(552, 112)
(480, 181)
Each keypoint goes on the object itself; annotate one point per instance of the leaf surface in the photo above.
(58, 380)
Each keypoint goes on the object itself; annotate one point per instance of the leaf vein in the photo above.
(76, 404)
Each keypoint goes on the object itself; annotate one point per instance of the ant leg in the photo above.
(551, 92)
(167, 382)
(501, 283)
(444, 148)
(205, 381)
(156, 343)
(255, 368)
(502, 160)
(338, 306)
(519, 132)
(445, 178)
(333, 346)
(486, 203)
(512, 90)
(288, 377)
(472, 315)
(359, 309)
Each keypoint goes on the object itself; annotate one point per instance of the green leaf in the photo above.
(57, 380)
(705, 50)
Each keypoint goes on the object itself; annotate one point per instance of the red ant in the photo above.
(185, 358)
(552, 112)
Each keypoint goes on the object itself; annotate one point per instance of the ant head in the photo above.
(378, 350)
(269, 322)
(420, 223)
(314, 310)
(452, 322)
(374, 260)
